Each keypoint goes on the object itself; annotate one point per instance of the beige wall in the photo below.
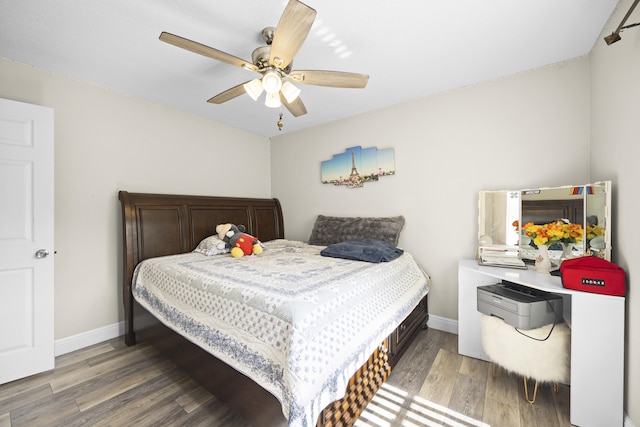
(529, 130)
(107, 141)
(615, 150)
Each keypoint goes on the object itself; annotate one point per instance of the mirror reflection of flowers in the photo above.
(594, 231)
(558, 231)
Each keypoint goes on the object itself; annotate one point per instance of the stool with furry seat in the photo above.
(541, 354)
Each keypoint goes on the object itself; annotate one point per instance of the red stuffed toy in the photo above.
(238, 241)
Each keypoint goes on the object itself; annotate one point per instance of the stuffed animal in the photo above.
(238, 241)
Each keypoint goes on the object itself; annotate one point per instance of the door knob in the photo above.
(42, 253)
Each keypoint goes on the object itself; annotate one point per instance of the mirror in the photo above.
(587, 205)
(498, 210)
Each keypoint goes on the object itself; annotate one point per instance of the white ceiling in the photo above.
(410, 49)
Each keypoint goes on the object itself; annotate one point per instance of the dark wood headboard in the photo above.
(158, 224)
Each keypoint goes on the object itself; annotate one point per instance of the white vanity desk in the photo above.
(597, 338)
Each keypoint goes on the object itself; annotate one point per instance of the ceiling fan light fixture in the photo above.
(290, 91)
(272, 100)
(253, 88)
(272, 82)
(274, 62)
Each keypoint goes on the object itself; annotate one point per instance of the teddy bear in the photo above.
(238, 241)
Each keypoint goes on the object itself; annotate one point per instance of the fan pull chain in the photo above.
(280, 122)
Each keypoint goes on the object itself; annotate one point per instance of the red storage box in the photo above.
(592, 274)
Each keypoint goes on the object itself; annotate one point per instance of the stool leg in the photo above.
(526, 391)
(493, 370)
(556, 388)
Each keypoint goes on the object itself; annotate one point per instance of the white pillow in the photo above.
(212, 245)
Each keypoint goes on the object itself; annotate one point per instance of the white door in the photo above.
(26, 240)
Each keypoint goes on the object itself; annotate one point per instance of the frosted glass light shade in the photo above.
(272, 100)
(271, 82)
(290, 92)
(253, 88)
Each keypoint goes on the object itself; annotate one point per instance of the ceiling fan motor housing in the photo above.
(267, 35)
(260, 56)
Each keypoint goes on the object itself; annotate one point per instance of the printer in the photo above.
(520, 306)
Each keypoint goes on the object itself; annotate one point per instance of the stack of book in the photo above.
(500, 256)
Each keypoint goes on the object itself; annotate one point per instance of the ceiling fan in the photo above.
(274, 61)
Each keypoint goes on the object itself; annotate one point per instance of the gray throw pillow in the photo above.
(328, 230)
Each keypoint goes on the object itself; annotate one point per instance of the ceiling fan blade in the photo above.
(329, 78)
(296, 107)
(206, 51)
(292, 30)
(228, 94)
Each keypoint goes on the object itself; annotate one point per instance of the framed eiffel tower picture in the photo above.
(357, 166)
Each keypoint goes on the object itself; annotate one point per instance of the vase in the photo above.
(543, 263)
(567, 251)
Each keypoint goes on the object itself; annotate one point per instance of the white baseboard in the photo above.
(85, 339)
(443, 324)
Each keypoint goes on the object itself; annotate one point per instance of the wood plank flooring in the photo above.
(110, 384)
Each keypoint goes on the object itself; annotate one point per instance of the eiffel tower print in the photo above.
(355, 180)
(354, 171)
(372, 164)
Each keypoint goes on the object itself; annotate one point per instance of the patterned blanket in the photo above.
(297, 323)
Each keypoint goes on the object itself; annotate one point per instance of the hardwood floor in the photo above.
(433, 385)
(110, 384)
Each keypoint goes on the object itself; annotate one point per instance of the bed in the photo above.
(164, 230)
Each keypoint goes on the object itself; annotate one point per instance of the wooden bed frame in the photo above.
(158, 225)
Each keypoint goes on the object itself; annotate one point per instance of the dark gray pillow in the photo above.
(369, 250)
(328, 230)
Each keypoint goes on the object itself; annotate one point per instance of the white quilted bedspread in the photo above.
(297, 323)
